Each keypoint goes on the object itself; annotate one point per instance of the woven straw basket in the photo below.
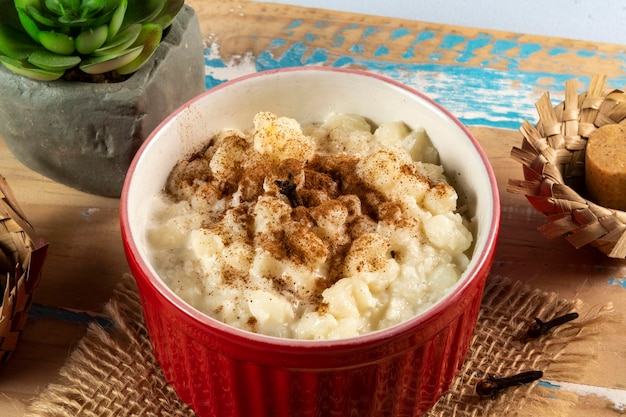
(21, 262)
(553, 159)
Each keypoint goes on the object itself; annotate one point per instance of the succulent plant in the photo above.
(45, 39)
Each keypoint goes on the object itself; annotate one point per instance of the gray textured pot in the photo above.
(85, 135)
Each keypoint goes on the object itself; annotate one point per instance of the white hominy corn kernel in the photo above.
(445, 232)
(379, 170)
(314, 326)
(269, 310)
(331, 219)
(443, 277)
(419, 147)
(340, 299)
(440, 199)
(318, 232)
(280, 137)
(229, 155)
(238, 255)
(368, 253)
(347, 122)
(391, 134)
(205, 244)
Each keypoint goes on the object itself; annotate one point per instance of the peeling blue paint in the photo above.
(513, 52)
(424, 36)
(586, 54)
(318, 57)
(211, 81)
(528, 49)
(294, 24)
(472, 45)
(399, 33)
(421, 37)
(501, 47)
(339, 38)
(38, 311)
(357, 48)
(621, 282)
(557, 51)
(214, 63)
(369, 31)
(410, 53)
(277, 43)
(547, 384)
(451, 41)
(344, 61)
(478, 95)
(382, 50)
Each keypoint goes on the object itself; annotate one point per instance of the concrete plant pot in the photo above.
(85, 135)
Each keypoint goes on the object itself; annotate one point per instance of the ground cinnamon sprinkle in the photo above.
(280, 226)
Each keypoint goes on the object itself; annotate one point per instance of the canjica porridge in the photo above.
(320, 231)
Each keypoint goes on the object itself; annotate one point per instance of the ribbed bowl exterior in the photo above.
(222, 371)
(406, 381)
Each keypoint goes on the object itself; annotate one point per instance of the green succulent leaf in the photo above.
(72, 21)
(168, 13)
(101, 19)
(143, 11)
(37, 16)
(27, 70)
(150, 38)
(54, 6)
(42, 38)
(124, 40)
(47, 60)
(90, 40)
(75, 12)
(29, 25)
(16, 44)
(20, 4)
(56, 42)
(106, 63)
(117, 19)
(75, 9)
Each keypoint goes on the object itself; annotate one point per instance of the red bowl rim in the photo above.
(399, 330)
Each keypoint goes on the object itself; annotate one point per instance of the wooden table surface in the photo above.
(490, 80)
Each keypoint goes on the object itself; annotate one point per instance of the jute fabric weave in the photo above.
(113, 373)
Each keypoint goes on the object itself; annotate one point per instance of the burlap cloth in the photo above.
(112, 372)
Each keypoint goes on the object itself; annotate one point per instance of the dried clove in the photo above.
(539, 327)
(288, 189)
(491, 386)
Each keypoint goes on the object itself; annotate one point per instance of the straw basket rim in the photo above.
(552, 155)
(21, 260)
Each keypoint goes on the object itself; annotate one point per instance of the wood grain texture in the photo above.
(242, 27)
(86, 258)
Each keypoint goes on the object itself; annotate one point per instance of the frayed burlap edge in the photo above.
(499, 348)
(114, 373)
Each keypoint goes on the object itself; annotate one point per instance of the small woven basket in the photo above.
(21, 262)
(553, 159)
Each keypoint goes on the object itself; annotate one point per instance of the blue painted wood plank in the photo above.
(485, 81)
(478, 96)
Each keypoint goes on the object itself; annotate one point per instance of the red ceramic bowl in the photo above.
(224, 371)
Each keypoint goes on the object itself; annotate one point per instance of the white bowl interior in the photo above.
(309, 95)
